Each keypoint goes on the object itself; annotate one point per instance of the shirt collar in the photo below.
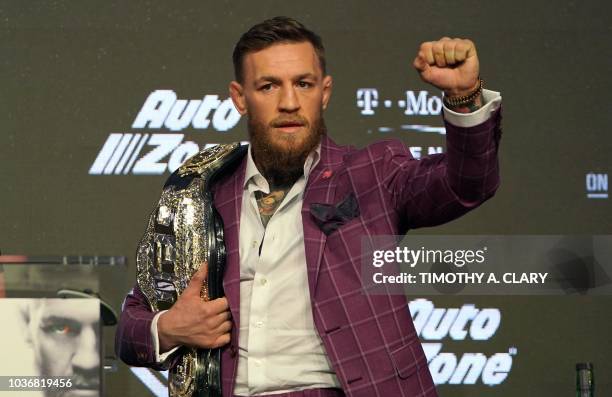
(253, 175)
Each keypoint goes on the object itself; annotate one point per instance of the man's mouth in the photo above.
(289, 126)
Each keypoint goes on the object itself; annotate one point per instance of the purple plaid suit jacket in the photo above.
(370, 339)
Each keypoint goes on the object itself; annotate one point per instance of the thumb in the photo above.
(424, 69)
(420, 64)
(197, 279)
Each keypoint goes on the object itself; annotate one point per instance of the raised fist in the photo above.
(449, 64)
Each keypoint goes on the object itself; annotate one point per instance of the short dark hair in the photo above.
(274, 31)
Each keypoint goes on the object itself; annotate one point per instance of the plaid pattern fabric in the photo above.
(370, 339)
(133, 342)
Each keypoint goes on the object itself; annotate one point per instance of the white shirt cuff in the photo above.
(491, 102)
(160, 358)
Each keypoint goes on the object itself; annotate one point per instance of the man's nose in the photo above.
(288, 101)
(87, 355)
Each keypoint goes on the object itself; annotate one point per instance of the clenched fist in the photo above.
(191, 321)
(450, 65)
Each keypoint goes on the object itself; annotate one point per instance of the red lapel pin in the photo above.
(326, 174)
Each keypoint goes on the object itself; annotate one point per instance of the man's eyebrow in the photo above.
(60, 319)
(270, 79)
(306, 76)
(276, 80)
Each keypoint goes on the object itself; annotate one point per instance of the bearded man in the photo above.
(295, 321)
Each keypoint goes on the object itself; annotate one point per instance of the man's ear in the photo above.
(236, 92)
(327, 90)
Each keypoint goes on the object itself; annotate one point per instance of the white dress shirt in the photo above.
(279, 348)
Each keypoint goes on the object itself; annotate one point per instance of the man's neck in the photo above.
(269, 203)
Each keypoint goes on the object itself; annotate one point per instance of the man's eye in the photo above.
(304, 84)
(60, 329)
(265, 87)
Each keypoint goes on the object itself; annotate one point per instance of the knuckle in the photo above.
(205, 311)
(221, 341)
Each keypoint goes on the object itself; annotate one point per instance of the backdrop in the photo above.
(103, 99)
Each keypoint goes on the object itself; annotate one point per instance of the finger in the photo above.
(218, 319)
(427, 53)
(460, 52)
(449, 52)
(222, 340)
(423, 68)
(225, 327)
(471, 48)
(420, 63)
(438, 52)
(463, 50)
(197, 279)
(217, 306)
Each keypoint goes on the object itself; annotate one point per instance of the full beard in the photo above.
(282, 163)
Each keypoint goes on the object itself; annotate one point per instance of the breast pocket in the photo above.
(331, 217)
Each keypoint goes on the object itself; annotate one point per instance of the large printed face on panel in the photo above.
(52, 339)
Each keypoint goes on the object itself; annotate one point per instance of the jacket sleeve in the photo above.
(133, 339)
(441, 187)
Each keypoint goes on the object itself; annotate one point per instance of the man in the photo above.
(65, 338)
(296, 320)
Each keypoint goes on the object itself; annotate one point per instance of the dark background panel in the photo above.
(75, 72)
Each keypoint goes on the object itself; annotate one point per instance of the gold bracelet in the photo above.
(458, 101)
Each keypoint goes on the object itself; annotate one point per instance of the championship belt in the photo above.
(183, 232)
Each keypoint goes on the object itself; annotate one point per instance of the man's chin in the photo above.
(288, 142)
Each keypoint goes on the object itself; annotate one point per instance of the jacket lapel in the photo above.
(319, 189)
(228, 202)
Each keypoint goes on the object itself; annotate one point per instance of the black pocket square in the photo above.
(330, 217)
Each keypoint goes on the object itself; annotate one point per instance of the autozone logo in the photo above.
(436, 324)
(142, 153)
